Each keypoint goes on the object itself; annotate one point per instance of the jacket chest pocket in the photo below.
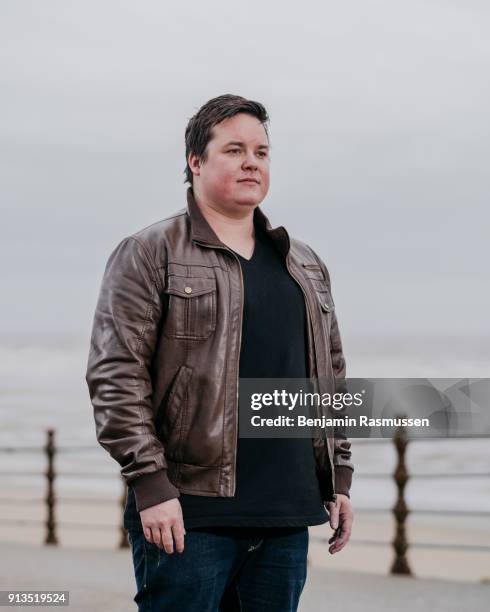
(326, 307)
(191, 311)
(324, 300)
(314, 275)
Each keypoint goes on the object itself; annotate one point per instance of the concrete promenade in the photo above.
(103, 581)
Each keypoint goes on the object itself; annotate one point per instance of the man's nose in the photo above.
(250, 161)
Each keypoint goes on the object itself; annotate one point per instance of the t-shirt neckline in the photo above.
(258, 238)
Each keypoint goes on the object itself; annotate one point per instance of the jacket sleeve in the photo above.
(118, 371)
(342, 458)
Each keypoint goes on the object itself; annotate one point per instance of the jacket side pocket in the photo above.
(172, 411)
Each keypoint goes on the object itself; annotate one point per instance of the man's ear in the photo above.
(194, 164)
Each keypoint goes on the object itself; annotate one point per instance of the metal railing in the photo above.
(51, 525)
(400, 510)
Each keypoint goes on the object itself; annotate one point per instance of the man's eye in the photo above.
(234, 151)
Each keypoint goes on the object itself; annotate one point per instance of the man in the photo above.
(187, 307)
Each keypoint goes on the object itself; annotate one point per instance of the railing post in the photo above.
(50, 495)
(123, 542)
(400, 510)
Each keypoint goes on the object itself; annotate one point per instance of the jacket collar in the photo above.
(202, 231)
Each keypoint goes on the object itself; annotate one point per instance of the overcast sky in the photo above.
(380, 146)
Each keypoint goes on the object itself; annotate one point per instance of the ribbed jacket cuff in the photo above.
(343, 479)
(152, 489)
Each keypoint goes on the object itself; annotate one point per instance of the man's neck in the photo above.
(232, 230)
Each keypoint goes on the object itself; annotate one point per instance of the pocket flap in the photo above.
(188, 287)
(325, 299)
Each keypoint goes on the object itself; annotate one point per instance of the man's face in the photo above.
(236, 171)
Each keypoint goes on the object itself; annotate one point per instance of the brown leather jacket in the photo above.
(163, 364)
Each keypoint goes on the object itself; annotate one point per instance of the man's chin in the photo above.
(248, 200)
(247, 203)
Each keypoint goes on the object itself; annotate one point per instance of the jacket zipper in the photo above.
(233, 487)
(235, 421)
(307, 300)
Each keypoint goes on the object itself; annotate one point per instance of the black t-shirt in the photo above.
(276, 482)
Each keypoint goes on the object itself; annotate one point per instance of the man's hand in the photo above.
(341, 519)
(163, 523)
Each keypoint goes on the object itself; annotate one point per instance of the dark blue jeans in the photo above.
(222, 569)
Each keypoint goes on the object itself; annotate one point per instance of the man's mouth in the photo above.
(249, 181)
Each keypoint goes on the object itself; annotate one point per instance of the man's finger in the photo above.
(347, 523)
(338, 546)
(334, 516)
(336, 535)
(340, 542)
(155, 536)
(178, 533)
(167, 539)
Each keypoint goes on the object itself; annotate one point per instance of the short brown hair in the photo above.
(198, 130)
